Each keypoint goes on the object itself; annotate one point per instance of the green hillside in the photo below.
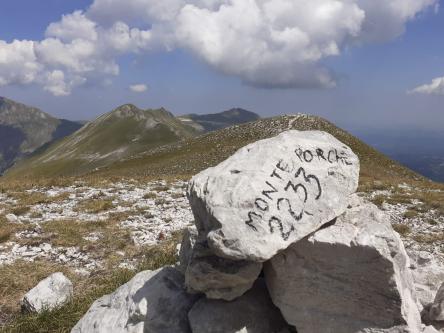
(24, 129)
(191, 156)
(120, 134)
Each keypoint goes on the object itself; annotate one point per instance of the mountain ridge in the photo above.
(215, 121)
(24, 129)
(191, 155)
(122, 132)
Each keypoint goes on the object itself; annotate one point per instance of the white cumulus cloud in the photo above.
(266, 43)
(138, 88)
(434, 88)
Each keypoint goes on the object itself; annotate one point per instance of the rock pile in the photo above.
(281, 244)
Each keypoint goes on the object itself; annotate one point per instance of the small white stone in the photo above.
(50, 293)
(11, 218)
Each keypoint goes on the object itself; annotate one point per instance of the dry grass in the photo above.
(69, 233)
(379, 200)
(402, 229)
(161, 188)
(7, 229)
(150, 195)
(432, 201)
(177, 195)
(410, 214)
(94, 206)
(86, 290)
(20, 210)
(430, 238)
(20, 277)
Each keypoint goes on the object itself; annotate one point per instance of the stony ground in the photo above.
(88, 228)
(417, 214)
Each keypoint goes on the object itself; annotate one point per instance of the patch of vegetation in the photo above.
(12, 288)
(20, 210)
(429, 238)
(402, 229)
(150, 195)
(410, 214)
(432, 200)
(177, 195)
(85, 292)
(6, 229)
(25, 198)
(432, 222)
(94, 206)
(160, 201)
(379, 200)
(69, 233)
(161, 188)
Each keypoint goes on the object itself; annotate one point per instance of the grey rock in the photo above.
(153, 301)
(49, 294)
(350, 277)
(428, 275)
(273, 193)
(186, 247)
(251, 313)
(217, 277)
(436, 312)
(430, 329)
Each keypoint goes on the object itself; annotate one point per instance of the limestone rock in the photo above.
(428, 275)
(251, 313)
(186, 247)
(217, 277)
(153, 301)
(11, 218)
(430, 329)
(273, 193)
(350, 277)
(49, 293)
(436, 312)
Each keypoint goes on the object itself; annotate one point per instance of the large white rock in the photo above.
(430, 329)
(436, 312)
(428, 275)
(251, 313)
(219, 278)
(350, 277)
(49, 294)
(153, 301)
(273, 193)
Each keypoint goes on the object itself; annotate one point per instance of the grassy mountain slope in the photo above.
(212, 122)
(124, 132)
(23, 129)
(191, 156)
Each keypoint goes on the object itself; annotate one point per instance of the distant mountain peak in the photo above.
(131, 110)
(215, 121)
(124, 132)
(24, 129)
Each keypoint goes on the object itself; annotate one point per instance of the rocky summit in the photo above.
(282, 243)
(273, 193)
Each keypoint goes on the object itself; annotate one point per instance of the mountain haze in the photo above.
(24, 129)
(121, 133)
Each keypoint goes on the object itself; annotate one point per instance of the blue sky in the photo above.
(371, 75)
